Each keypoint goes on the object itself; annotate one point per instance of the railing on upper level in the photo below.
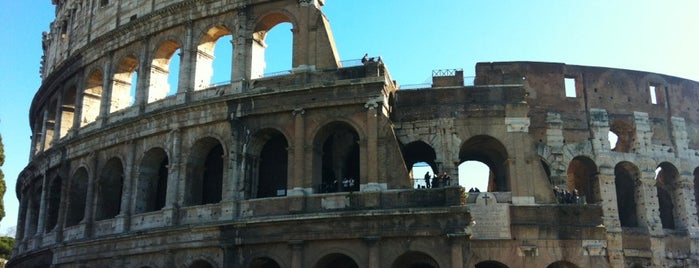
(468, 82)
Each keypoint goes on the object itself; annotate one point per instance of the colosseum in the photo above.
(313, 167)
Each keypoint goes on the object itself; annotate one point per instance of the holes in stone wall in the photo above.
(493, 154)
(625, 135)
(421, 158)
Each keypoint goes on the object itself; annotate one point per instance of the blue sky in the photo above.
(413, 38)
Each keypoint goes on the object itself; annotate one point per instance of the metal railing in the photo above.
(445, 72)
(468, 82)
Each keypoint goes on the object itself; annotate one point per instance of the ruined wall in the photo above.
(251, 173)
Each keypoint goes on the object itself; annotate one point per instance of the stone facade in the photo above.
(127, 170)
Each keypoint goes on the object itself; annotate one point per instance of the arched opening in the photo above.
(50, 124)
(205, 172)
(214, 58)
(336, 164)
(414, 259)
(562, 264)
(164, 74)
(264, 263)
(273, 166)
(152, 181)
(613, 139)
(53, 203)
(92, 98)
(67, 111)
(76, 197)
(475, 176)
(109, 189)
(422, 175)
(625, 177)
(201, 264)
(582, 181)
(625, 133)
(336, 260)
(123, 85)
(34, 208)
(493, 154)
(490, 264)
(278, 51)
(421, 159)
(665, 180)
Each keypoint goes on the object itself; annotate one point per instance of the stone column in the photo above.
(372, 243)
(106, 98)
(296, 253)
(27, 226)
(130, 178)
(372, 183)
(647, 204)
(88, 219)
(187, 72)
(143, 79)
(685, 207)
(44, 134)
(174, 195)
(554, 140)
(610, 218)
(644, 133)
(680, 137)
(457, 258)
(297, 181)
(241, 59)
(41, 223)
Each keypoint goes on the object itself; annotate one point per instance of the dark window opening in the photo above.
(76, 197)
(264, 263)
(213, 176)
(625, 176)
(415, 260)
(273, 168)
(666, 176)
(582, 178)
(201, 264)
(205, 168)
(53, 202)
(340, 168)
(336, 261)
(109, 189)
(152, 183)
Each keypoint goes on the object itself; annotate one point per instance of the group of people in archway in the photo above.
(435, 181)
(563, 196)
